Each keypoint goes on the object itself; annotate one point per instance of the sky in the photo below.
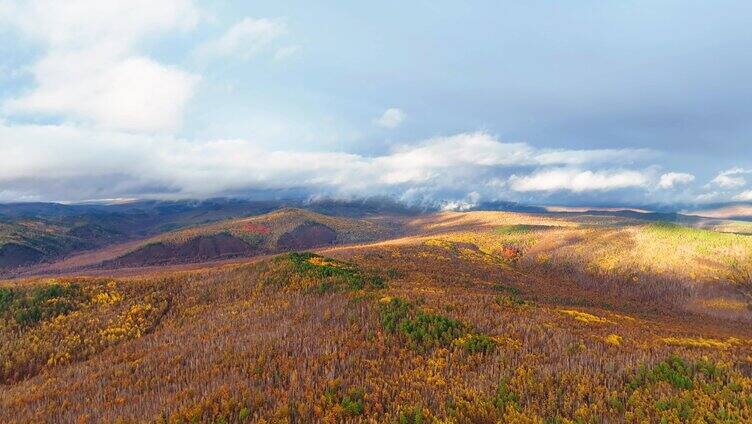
(450, 102)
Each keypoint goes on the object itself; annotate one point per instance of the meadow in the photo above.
(694, 268)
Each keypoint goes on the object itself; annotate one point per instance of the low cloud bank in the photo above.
(66, 162)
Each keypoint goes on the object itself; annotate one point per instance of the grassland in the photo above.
(692, 266)
(475, 317)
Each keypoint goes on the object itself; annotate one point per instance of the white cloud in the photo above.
(79, 24)
(745, 196)
(580, 157)
(731, 178)
(708, 197)
(283, 53)
(132, 93)
(577, 181)
(15, 196)
(391, 118)
(71, 162)
(91, 71)
(728, 181)
(469, 202)
(247, 38)
(482, 149)
(671, 179)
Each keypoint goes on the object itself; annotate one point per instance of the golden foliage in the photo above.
(613, 339)
(584, 317)
(696, 342)
(281, 341)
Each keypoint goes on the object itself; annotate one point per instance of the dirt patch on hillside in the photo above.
(307, 236)
(198, 249)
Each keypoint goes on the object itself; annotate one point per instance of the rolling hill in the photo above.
(43, 233)
(424, 328)
(282, 230)
(739, 211)
(32, 233)
(28, 241)
(452, 317)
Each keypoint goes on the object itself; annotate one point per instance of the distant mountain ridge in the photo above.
(741, 212)
(32, 233)
(282, 230)
(40, 232)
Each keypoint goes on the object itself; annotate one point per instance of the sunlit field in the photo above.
(612, 254)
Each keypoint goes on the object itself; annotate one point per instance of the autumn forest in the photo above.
(477, 317)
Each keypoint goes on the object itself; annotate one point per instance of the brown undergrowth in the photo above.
(411, 333)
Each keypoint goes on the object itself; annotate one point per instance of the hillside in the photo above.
(695, 268)
(733, 211)
(48, 233)
(282, 230)
(474, 317)
(27, 241)
(392, 333)
(32, 233)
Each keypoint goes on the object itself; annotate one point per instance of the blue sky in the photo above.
(581, 102)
